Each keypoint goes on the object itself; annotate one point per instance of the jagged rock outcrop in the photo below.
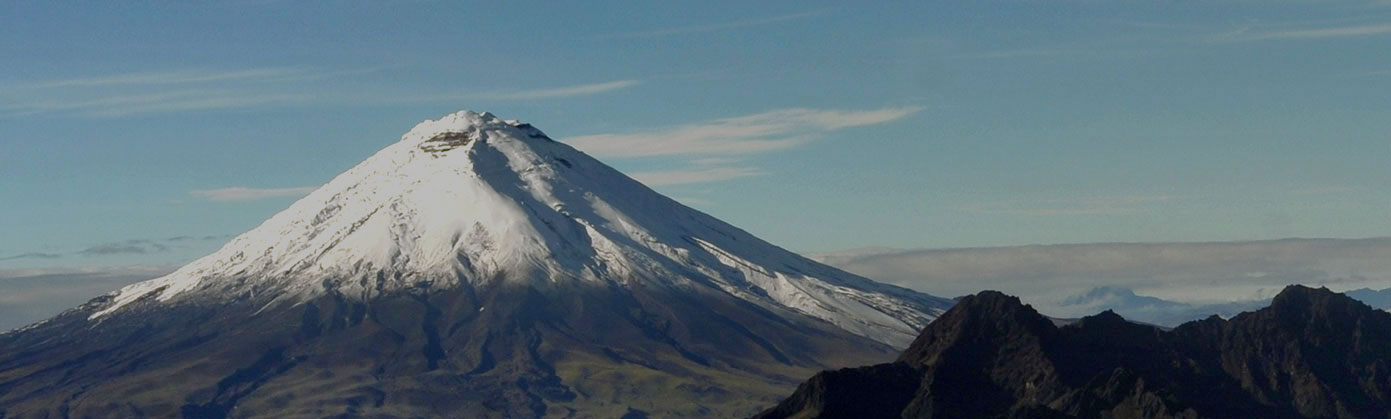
(1312, 353)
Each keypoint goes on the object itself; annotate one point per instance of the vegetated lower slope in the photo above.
(1311, 353)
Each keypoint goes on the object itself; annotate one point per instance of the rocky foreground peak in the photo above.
(1298, 302)
(1311, 353)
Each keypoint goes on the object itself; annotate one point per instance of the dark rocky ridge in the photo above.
(1312, 353)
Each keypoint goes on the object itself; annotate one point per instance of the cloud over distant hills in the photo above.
(1160, 283)
(1195, 275)
(31, 295)
(1146, 309)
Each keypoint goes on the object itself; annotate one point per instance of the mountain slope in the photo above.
(470, 196)
(476, 268)
(1311, 353)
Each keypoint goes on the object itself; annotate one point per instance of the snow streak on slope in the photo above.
(470, 199)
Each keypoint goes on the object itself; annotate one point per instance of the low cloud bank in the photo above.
(30, 295)
(1160, 283)
(1146, 309)
(1199, 277)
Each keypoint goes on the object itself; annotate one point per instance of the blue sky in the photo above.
(150, 132)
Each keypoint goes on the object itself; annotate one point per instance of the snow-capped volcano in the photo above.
(470, 196)
(475, 268)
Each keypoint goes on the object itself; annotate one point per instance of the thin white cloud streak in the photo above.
(1118, 205)
(147, 270)
(713, 26)
(696, 175)
(1325, 190)
(58, 105)
(128, 247)
(714, 161)
(763, 132)
(511, 95)
(1308, 34)
(1025, 53)
(162, 92)
(32, 255)
(131, 101)
(562, 92)
(241, 193)
(172, 77)
(122, 247)
(162, 102)
(210, 102)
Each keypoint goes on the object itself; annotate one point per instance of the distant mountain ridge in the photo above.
(1146, 309)
(1311, 353)
(1196, 273)
(1376, 298)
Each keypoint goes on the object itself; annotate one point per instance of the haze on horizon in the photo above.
(139, 137)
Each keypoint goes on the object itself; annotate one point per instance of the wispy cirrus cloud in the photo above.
(1324, 190)
(128, 247)
(32, 255)
(713, 27)
(503, 95)
(171, 77)
(1111, 205)
(123, 247)
(173, 101)
(176, 239)
(560, 92)
(172, 91)
(1347, 31)
(757, 133)
(716, 147)
(695, 175)
(138, 270)
(150, 92)
(242, 193)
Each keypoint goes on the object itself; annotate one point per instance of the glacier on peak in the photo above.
(470, 198)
